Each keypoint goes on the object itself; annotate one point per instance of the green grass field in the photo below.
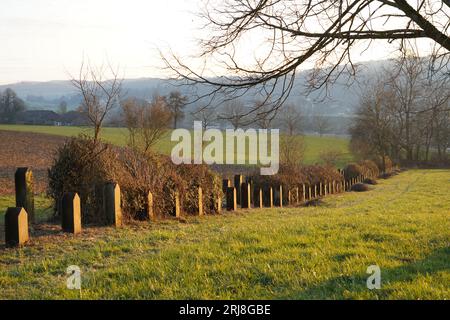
(44, 207)
(402, 225)
(314, 145)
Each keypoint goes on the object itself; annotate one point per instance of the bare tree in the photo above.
(406, 80)
(176, 103)
(373, 131)
(331, 157)
(296, 32)
(10, 106)
(322, 124)
(62, 107)
(404, 113)
(133, 110)
(264, 117)
(100, 89)
(234, 112)
(291, 119)
(206, 114)
(441, 136)
(292, 145)
(292, 150)
(146, 122)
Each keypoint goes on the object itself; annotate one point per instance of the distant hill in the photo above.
(341, 99)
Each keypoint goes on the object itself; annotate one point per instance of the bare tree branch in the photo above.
(298, 31)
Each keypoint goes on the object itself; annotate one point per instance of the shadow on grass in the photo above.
(36, 231)
(337, 287)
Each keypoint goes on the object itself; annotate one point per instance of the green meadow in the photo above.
(314, 145)
(402, 225)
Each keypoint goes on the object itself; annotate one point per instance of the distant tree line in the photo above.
(404, 114)
(10, 106)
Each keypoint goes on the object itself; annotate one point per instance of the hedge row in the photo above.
(84, 167)
(291, 177)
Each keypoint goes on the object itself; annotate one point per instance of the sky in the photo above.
(43, 40)
(47, 39)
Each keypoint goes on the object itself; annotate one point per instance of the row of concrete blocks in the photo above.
(244, 195)
(17, 218)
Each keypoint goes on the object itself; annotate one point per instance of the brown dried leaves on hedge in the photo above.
(84, 167)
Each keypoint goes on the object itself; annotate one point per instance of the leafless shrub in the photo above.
(84, 167)
(100, 88)
(360, 187)
(146, 122)
(330, 157)
(292, 150)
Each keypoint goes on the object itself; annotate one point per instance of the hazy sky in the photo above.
(47, 39)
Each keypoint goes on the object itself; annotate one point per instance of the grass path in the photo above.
(403, 226)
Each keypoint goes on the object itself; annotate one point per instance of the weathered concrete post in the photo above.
(278, 195)
(111, 204)
(150, 210)
(252, 188)
(218, 204)
(245, 196)
(177, 208)
(16, 227)
(268, 197)
(200, 201)
(71, 213)
(226, 183)
(258, 196)
(231, 199)
(281, 192)
(23, 179)
(238, 180)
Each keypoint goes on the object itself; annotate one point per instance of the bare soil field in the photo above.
(36, 150)
(26, 149)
